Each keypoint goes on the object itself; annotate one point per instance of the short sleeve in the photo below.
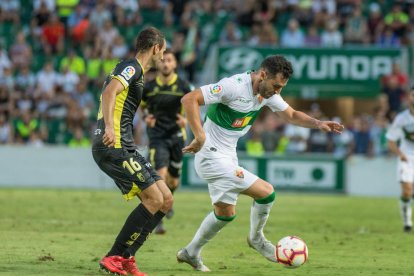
(394, 132)
(277, 103)
(127, 72)
(221, 91)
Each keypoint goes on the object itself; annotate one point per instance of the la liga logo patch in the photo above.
(128, 72)
(216, 89)
(239, 173)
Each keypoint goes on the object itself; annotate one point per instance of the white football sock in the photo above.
(406, 212)
(207, 230)
(259, 213)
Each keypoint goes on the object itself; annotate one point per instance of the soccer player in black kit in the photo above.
(166, 123)
(115, 153)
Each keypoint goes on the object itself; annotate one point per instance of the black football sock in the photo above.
(148, 228)
(132, 228)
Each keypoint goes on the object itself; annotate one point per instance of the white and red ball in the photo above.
(291, 251)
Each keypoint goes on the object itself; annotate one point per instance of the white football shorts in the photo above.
(406, 170)
(225, 178)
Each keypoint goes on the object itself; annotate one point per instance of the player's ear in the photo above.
(263, 74)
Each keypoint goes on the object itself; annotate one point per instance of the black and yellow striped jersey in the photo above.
(131, 74)
(164, 102)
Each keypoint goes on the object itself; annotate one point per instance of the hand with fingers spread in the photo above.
(330, 126)
(109, 137)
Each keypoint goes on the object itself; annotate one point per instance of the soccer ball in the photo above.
(291, 251)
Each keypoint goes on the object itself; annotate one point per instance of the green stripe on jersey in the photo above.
(230, 119)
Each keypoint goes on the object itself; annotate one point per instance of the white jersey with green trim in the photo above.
(402, 129)
(232, 109)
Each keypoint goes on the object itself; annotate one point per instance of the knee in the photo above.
(155, 200)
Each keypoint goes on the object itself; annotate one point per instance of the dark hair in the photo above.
(277, 64)
(149, 37)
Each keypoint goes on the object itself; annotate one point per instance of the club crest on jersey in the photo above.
(216, 89)
(239, 173)
(241, 122)
(128, 72)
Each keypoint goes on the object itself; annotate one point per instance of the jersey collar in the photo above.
(173, 79)
(142, 67)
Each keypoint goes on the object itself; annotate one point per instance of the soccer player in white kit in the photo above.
(233, 105)
(402, 129)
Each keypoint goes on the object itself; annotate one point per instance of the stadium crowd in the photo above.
(55, 54)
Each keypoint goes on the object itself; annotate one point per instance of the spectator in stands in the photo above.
(356, 28)
(25, 80)
(65, 8)
(119, 48)
(331, 37)
(297, 139)
(79, 140)
(74, 62)
(49, 4)
(342, 144)
(362, 142)
(231, 34)
(324, 11)
(388, 39)
(293, 36)
(375, 22)
(267, 35)
(254, 145)
(68, 80)
(23, 103)
(76, 17)
(47, 80)
(4, 59)
(98, 16)
(9, 11)
(312, 38)
(74, 117)
(93, 66)
(5, 102)
(7, 79)
(25, 125)
(272, 132)
(21, 51)
(401, 77)
(84, 99)
(378, 130)
(395, 94)
(6, 130)
(397, 20)
(106, 35)
(127, 11)
(53, 36)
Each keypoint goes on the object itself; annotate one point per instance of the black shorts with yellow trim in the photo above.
(130, 171)
(167, 152)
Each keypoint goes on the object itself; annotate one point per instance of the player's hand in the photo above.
(195, 146)
(109, 137)
(150, 120)
(403, 158)
(330, 126)
(181, 120)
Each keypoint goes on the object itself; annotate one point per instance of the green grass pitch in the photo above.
(65, 232)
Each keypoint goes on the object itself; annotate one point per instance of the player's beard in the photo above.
(265, 89)
(166, 73)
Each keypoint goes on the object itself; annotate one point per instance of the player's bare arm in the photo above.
(108, 105)
(301, 119)
(393, 147)
(191, 103)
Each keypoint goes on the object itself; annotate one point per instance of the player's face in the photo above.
(158, 54)
(269, 86)
(168, 64)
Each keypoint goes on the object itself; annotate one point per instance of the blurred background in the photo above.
(352, 60)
